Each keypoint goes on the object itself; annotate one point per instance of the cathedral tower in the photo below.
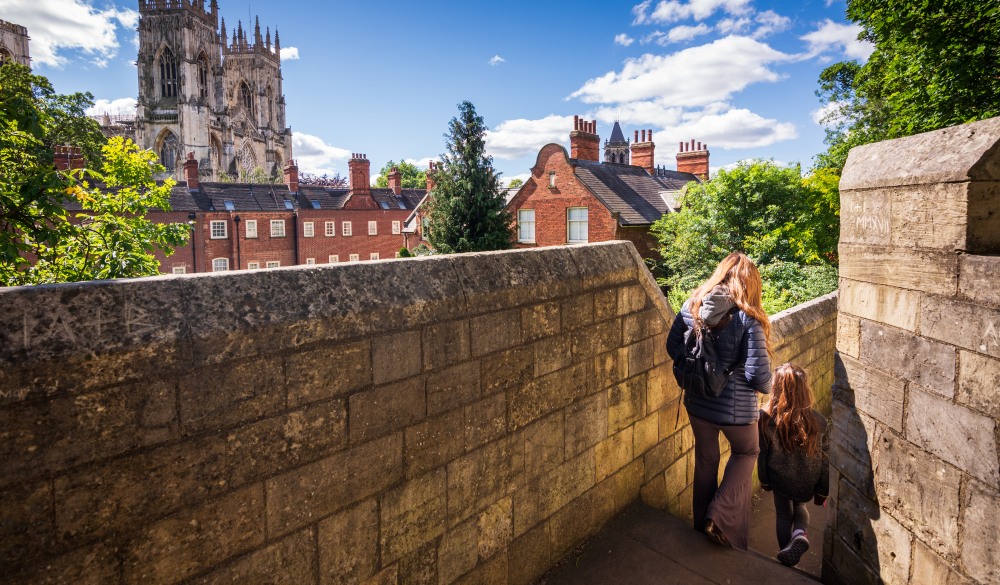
(616, 149)
(14, 43)
(200, 92)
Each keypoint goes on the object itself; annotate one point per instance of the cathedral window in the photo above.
(168, 74)
(203, 76)
(246, 98)
(168, 152)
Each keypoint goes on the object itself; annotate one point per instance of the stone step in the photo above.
(646, 546)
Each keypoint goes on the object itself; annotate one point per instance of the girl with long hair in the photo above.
(793, 461)
(729, 304)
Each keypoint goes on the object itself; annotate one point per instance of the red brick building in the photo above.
(575, 198)
(250, 226)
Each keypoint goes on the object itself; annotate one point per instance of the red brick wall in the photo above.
(321, 247)
(550, 204)
(182, 256)
(644, 242)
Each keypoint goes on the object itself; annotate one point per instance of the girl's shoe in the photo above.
(790, 555)
(714, 533)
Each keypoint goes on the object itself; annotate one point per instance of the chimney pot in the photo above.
(636, 136)
(650, 134)
(191, 171)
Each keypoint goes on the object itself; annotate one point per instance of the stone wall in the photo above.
(447, 419)
(916, 402)
(806, 335)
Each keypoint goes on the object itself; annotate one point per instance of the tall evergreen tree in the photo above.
(466, 208)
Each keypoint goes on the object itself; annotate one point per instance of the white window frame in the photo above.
(220, 264)
(253, 265)
(374, 256)
(346, 228)
(310, 260)
(180, 270)
(584, 223)
(333, 259)
(372, 228)
(215, 223)
(308, 229)
(273, 264)
(277, 228)
(523, 223)
(330, 229)
(396, 228)
(251, 227)
(355, 258)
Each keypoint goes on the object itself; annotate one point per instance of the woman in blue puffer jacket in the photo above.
(729, 303)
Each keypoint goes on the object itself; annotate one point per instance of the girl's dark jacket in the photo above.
(793, 474)
(742, 343)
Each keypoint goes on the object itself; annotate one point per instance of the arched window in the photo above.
(168, 152)
(270, 107)
(168, 74)
(5, 56)
(246, 98)
(203, 76)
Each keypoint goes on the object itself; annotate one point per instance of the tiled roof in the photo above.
(638, 198)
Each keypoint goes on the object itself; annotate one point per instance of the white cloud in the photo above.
(120, 106)
(729, 26)
(686, 33)
(289, 53)
(640, 114)
(422, 163)
(735, 128)
(518, 138)
(58, 25)
(831, 115)
(623, 40)
(316, 156)
(496, 60)
(831, 36)
(770, 22)
(693, 77)
(668, 11)
(640, 12)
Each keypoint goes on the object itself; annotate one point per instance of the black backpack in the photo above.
(699, 370)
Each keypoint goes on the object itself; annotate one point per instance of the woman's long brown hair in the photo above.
(740, 274)
(791, 410)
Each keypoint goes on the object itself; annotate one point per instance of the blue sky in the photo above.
(384, 78)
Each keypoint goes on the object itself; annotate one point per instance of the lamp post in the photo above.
(239, 261)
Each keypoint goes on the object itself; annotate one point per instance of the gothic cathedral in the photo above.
(200, 92)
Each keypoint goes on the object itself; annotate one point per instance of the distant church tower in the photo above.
(14, 43)
(616, 149)
(201, 93)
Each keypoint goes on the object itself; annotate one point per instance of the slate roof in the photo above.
(272, 197)
(616, 134)
(637, 197)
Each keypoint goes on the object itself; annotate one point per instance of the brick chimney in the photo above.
(584, 143)
(292, 176)
(191, 172)
(68, 158)
(643, 151)
(431, 169)
(395, 180)
(692, 157)
(360, 174)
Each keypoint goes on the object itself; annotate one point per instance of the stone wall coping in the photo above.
(968, 152)
(804, 317)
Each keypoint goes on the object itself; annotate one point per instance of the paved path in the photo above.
(764, 541)
(645, 546)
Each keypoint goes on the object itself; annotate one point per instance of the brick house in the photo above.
(575, 198)
(249, 226)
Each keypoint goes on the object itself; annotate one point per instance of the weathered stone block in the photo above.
(977, 278)
(491, 572)
(445, 344)
(537, 448)
(676, 478)
(610, 368)
(496, 331)
(966, 325)
(485, 421)
(328, 372)
(631, 299)
(395, 357)
(27, 531)
(459, 551)
(885, 304)
(984, 218)
(921, 490)
(577, 311)
(549, 393)
(978, 380)
(295, 498)
(931, 216)
(852, 446)
(657, 459)
(452, 387)
(642, 356)
(530, 556)
(921, 270)
(541, 320)
(506, 370)
(420, 566)
(478, 479)
(175, 548)
(865, 217)
(90, 565)
(875, 392)
(520, 277)
(552, 354)
(290, 561)
(348, 545)
(412, 514)
(931, 569)
(654, 492)
(605, 304)
(495, 528)
(387, 576)
(433, 443)
(223, 395)
(626, 403)
(932, 365)
(646, 433)
(980, 548)
(567, 482)
(614, 453)
(385, 409)
(606, 264)
(673, 417)
(954, 433)
(586, 424)
(661, 388)
(639, 326)
(600, 338)
(571, 525)
(884, 543)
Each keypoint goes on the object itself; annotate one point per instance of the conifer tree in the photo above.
(466, 208)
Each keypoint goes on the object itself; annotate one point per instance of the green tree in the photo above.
(466, 208)
(111, 237)
(412, 177)
(515, 183)
(935, 64)
(769, 212)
